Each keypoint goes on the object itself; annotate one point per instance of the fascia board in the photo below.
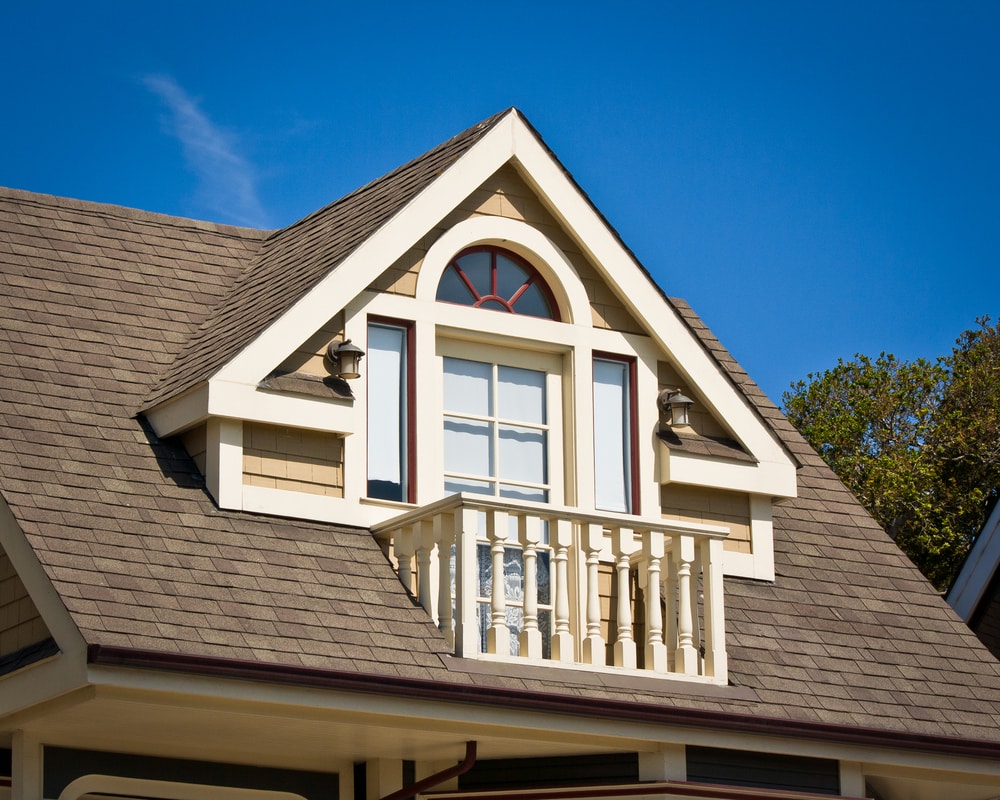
(978, 570)
(41, 590)
(247, 403)
(765, 477)
(179, 414)
(356, 272)
(641, 298)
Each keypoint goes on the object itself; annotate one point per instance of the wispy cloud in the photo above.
(227, 181)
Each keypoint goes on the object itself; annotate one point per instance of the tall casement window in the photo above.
(390, 412)
(614, 435)
(488, 277)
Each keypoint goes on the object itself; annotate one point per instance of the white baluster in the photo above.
(424, 540)
(529, 533)
(670, 594)
(466, 582)
(444, 536)
(593, 645)
(656, 651)
(716, 661)
(686, 657)
(562, 639)
(498, 636)
(403, 550)
(622, 543)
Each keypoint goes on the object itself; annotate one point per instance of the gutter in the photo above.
(571, 705)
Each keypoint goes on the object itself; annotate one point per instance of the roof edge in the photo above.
(478, 694)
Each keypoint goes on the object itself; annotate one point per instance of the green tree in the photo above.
(917, 442)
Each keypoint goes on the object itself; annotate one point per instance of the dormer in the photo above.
(507, 436)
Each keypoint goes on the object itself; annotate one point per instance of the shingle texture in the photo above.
(100, 303)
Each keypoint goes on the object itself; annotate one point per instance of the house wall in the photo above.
(20, 623)
(293, 459)
(308, 356)
(697, 504)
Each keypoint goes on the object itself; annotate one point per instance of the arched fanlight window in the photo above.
(488, 277)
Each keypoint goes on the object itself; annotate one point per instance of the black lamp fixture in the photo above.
(677, 403)
(345, 357)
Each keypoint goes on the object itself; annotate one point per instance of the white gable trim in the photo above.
(978, 570)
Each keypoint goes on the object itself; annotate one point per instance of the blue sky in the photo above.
(816, 179)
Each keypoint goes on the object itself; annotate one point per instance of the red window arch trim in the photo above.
(487, 294)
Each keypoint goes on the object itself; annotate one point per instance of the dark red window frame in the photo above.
(633, 423)
(411, 399)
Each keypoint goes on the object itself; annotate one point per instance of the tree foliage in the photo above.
(918, 442)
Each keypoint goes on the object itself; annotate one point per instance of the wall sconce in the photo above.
(345, 356)
(677, 404)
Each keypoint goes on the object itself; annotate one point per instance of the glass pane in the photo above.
(522, 454)
(515, 622)
(468, 446)
(386, 411)
(485, 566)
(612, 459)
(533, 303)
(521, 394)
(457, 486)
(483, 610)
(513, 574)
(544, 578)
(545, 625)
(468, 387)
(524, 493)
(476, 267)
(511, 276)
(452, 289)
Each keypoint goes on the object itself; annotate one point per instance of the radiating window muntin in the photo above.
(496, 279)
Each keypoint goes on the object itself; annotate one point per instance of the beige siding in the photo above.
(195, 441)
(712, 506)
(701, 420)
(308, 356)
(20, 623)
(505, 194)
(292, 459)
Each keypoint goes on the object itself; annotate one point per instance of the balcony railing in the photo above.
(527, 580)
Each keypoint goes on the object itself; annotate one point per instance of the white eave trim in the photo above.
(978, 570)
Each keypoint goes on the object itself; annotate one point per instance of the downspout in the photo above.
(437, 777)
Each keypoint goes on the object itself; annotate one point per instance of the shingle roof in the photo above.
(98, 303)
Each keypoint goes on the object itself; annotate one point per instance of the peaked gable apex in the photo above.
(462, 165)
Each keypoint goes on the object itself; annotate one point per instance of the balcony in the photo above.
(574, 588)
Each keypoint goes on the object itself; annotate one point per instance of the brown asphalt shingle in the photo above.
(101, 302)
